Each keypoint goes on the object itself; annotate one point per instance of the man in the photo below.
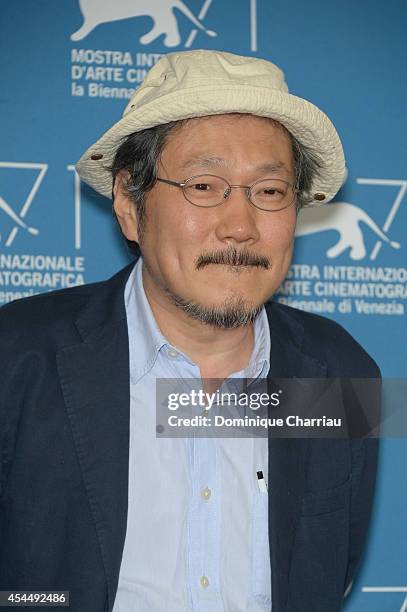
(208, 168)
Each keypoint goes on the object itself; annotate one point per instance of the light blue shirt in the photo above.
(197, 524)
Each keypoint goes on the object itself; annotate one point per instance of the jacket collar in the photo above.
(105, 308)
(98, 410)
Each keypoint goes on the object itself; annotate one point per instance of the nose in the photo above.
(238, 219)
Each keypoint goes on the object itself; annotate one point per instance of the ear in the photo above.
(125, 208)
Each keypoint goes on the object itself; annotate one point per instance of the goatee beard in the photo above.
(231, 314)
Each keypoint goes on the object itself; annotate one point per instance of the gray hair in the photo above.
(140, 152)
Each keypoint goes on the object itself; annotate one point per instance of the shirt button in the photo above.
(172, 353)
(204, 582)
(206, 493)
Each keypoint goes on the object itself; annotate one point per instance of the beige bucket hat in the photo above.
(203, 82)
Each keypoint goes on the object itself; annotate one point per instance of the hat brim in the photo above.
(306, 122)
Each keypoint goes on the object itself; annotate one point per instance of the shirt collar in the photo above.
(145, 337)
(259, 363)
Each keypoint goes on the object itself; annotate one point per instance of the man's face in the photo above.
(177, 235)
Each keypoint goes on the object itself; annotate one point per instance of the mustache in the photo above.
(233, 257)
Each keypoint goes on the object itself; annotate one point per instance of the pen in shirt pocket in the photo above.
(261, 482)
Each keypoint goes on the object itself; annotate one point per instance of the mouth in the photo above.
(237, 268)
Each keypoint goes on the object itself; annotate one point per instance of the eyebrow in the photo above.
(218, 162)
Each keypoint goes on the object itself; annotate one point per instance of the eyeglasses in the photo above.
(208, 191)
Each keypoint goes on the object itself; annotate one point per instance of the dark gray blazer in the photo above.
(64, 440)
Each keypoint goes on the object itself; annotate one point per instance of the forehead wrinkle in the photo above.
(206, 161)
(271, 167)
(212, 161)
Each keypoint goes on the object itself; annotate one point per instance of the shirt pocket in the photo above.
(329, 500)
(261, 571)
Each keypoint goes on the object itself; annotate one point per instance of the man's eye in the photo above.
(202, 186)
(271, 193)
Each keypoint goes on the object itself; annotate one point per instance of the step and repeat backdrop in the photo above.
(68, 69)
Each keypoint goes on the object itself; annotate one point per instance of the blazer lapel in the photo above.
(94, 376)
(287, 456)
